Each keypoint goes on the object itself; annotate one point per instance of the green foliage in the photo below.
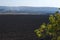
(52, 28)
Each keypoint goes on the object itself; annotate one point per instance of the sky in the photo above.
(33, 3)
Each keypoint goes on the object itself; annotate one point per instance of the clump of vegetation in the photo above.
(51, 29)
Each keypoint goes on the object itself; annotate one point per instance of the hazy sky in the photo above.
(38, 3)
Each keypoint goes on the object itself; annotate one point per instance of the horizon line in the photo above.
(31, 6)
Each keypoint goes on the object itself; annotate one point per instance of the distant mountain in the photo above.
(24, 9)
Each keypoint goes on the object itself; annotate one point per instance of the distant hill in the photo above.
(24, 9)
